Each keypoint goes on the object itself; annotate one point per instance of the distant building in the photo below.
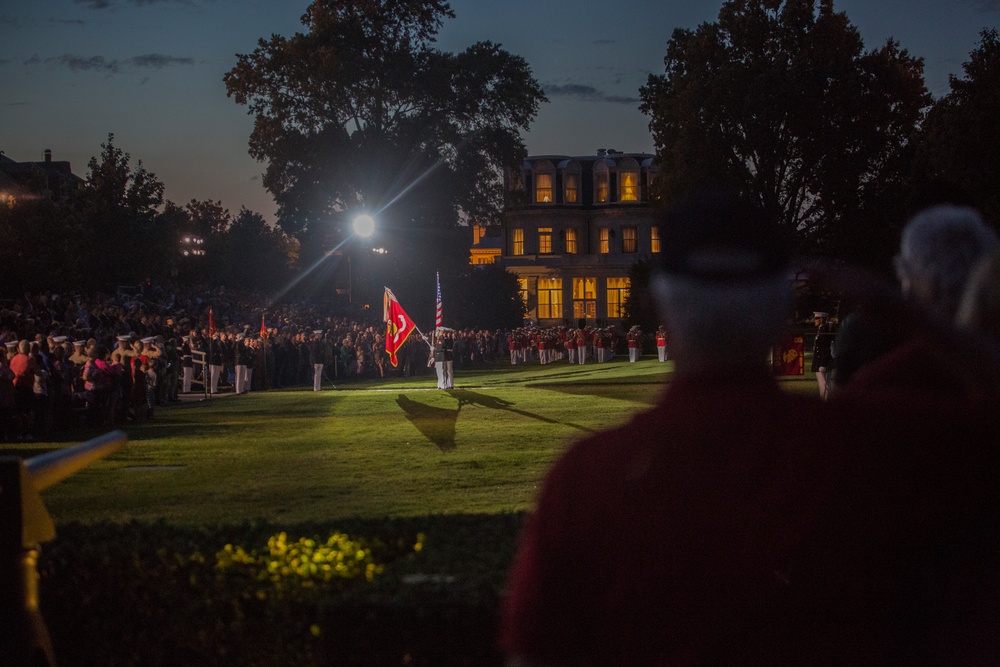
(487, 245)
(572, 227)
(20, 181)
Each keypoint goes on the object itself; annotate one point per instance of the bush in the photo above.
(421, 591)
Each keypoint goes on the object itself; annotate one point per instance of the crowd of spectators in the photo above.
(109, 359)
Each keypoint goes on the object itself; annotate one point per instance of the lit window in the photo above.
(630, 239)
(545, 176)
(572, 187)
(544, 240)
(628, 180)
(543, 188)
(618, 289)
(571, 247)
(522, 285)
(654, 241)
(584, 297)
(600, 183)
(550, 298)
(517, 241)
(603, 240)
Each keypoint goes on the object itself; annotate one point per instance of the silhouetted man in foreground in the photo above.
(735, 523)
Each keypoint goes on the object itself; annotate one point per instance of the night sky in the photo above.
(150, 71)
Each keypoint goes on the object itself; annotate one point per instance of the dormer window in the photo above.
(572, 187)
(602, 191)
(545, 176)
(628, 180)
(570, 171)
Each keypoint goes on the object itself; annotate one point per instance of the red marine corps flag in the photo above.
(398, 325)
(211, 323)
(263, 327)
(787, 357)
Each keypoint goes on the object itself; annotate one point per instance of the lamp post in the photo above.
(362, 228)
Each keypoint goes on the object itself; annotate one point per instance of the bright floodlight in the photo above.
(364, 225)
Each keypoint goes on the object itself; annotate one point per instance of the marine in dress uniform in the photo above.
(823, 352)
(661, 343)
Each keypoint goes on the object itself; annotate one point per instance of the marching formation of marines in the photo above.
(548, 345)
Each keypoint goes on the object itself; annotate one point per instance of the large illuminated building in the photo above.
(572, 227)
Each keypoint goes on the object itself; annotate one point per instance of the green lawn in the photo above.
(391, 463)
(371, 449)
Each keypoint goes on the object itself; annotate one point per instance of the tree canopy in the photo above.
(123, 240)
(361, 112)
(962, 138)
(118, 230)
(782, 103)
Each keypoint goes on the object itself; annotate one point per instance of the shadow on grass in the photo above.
(435, 424)
(466, 397)
(646, 394)
(438, 424)
(177, 422)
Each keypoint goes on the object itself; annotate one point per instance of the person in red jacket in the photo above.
(634, 337)
(738, 523)
(661, 343)
(23, 366)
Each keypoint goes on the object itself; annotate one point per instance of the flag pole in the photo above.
(423, 336)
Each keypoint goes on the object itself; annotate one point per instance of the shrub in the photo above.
(408, 592)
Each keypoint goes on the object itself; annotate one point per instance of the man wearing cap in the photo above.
(79, 356)
(123, 353)
(317, 357)
(449, 360)
(437, 355)
(634, 338)
(822, 360)
(242, 358)
(187, 364)
(171, 369)
(214, 360)
(661, 343)
(582, 339)
(734, 522)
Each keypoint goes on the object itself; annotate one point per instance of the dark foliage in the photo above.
(149, 595)
(360, 113)
(782, 103)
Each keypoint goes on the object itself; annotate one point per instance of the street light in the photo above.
(363, 225)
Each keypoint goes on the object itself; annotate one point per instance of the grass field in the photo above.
(386, 448)
(393, 464)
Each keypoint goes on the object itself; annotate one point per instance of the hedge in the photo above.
(415, 591)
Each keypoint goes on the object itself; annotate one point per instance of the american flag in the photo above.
(438, 320)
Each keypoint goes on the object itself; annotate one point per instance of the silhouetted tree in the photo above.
(125, 243)
(254, 254)
(41, 246)
(361, 113)
(783, 104)
(486, 296)
(962, 138)
(639, 306)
